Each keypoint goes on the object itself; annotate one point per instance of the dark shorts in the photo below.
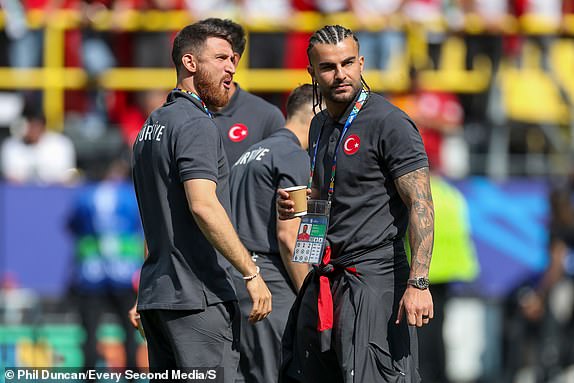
(365, 344)
(260, 343)
(184, 339)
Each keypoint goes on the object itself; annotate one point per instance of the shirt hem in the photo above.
(192, 175)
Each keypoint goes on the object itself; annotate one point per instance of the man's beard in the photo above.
(210, 91)
(341, 98)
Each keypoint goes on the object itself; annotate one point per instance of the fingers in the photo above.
(417, 307)
(284, 205)
(261, 309)
(415, 318)
(431, 313)
(418, 320)
(400, 314)
(261, 297)
(425, 319)
(134, 317)
(282, 194)
(259, 312)
(422, 317)
(134, 321)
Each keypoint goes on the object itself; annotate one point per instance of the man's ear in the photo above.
(311, 71)
(236, 58)
(189, 62)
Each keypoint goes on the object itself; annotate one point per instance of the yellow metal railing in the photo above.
(54, 79)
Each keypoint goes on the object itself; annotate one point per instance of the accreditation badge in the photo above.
(312, 232)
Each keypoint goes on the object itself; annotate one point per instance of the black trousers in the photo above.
(260, 344)
(190, 339)
(91, 306)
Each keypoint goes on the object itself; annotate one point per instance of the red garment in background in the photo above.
(435, 113)
(296, 42)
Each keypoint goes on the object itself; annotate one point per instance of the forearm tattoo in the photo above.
(414, 189)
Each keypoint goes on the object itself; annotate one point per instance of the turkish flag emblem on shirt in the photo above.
(352, 144)
(237, 133)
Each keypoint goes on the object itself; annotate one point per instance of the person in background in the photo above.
(108, 241)
(35, 155)
(246, 119)
(279, 161)
(554, 342)
(454, 260)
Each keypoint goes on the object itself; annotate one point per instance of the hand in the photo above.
(261, 298)
(417, 306)
(134, 316)
(285, 205)
(532, 306)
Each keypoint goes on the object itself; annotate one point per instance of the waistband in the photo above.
(374, 253)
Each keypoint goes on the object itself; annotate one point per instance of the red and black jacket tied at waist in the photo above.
(325, 299)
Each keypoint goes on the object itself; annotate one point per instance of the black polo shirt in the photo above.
(381, 145)
(179, 142)
(276, 162)
(246, 120)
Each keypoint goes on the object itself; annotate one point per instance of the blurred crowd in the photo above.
(461, 65)
(524, 50)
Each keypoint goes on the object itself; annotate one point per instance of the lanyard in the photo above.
(197, 98)
(356, 109)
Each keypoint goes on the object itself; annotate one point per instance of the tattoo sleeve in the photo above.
(414, 189)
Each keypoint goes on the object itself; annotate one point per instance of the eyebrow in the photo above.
(327, 63)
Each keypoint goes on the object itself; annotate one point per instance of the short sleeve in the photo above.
(293, 171)
(197, 149)
(401, 146)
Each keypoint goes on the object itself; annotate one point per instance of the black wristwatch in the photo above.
(420, 283)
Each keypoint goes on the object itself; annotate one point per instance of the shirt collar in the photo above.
(288, 134)
(174, 95)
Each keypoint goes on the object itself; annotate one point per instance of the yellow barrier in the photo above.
(53, 78)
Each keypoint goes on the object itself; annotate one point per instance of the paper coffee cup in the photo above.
(298, 194)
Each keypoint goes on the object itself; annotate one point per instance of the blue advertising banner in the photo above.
(508, 225)
(509, 230)
(35, 247)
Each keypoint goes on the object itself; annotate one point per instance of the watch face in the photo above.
(420, 283)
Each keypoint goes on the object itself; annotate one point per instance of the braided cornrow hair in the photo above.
(329, 34)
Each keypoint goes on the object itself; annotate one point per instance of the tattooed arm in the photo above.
(414, 189)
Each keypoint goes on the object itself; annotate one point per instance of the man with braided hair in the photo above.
(350, 322)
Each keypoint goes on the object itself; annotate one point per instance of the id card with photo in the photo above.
(312, 233)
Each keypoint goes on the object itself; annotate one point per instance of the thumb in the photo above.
(400, 312)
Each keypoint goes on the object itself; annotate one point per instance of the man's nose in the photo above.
(230, 66)
(340, 73)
